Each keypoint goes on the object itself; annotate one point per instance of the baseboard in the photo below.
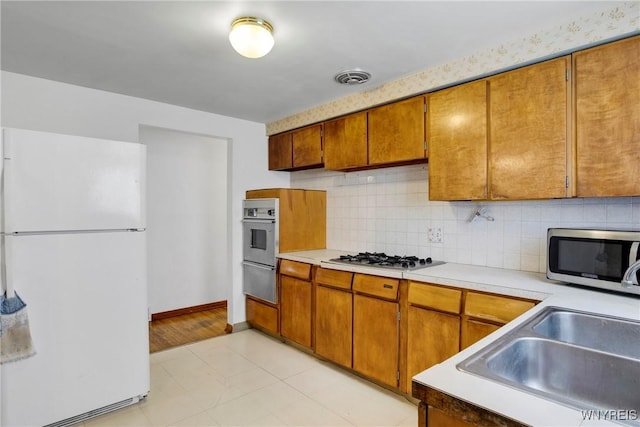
(237, 327)
(188, 310)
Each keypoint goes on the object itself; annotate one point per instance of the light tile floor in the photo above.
(250, 379)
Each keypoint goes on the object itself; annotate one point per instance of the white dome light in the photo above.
(251, 37)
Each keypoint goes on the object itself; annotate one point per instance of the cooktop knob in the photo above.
(429, 260)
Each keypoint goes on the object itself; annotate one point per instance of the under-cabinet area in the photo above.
(386, 329)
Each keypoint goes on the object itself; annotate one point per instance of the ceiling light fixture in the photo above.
(251, 37)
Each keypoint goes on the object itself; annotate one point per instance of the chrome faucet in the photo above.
(627, 279)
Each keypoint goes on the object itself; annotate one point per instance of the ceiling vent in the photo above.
(352, 77)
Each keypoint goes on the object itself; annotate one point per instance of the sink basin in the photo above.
(582, 360)
(533, 363)
(613, 335)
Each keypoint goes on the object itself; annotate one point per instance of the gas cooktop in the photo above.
(382, 260)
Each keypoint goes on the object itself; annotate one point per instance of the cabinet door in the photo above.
(345, 142)
(438, 418)
(307, 147)
(396, 132)
(376, 338)
(528, 132)
(333, 325)
(280, 152)
(474, 330)
(295, 310)
(262, 315)
(607, 105)
(457, 140)
(432, 337)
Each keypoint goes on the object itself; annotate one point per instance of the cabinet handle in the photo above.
(387, 286)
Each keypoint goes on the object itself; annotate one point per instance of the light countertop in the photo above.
(518, 405)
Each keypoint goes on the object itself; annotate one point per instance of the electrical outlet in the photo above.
(435, 235)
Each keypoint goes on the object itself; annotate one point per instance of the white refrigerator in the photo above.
(75, 251)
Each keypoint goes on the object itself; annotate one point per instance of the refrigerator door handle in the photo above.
(66, 232)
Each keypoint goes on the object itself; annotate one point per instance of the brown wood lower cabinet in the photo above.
(386, 329)
(437, 418)
(376, 328)
(474, 330)
(334, 325)
(375, 338)
(295, 310)
(334, 315)
(438, 409)
(262, 314)
(295, 301)
(433, 326)
(432, 337)
(486, 313)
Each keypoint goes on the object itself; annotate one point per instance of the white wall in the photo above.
(186, 218)
(388, 210)
(39, 104)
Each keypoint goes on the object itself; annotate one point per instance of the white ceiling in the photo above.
(178, 51)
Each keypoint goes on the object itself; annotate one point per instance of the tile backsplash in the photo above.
(388, 210)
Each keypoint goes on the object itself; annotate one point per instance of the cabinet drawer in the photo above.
(436, 297)
(377, 286)
(334, 278)
(262, 315)
(494, 308)
(295, 269)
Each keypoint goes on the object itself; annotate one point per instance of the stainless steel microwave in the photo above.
(596, 258)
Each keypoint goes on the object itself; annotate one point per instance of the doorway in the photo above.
(187, 259)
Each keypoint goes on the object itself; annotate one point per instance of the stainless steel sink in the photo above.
(582, 360)
(609, 334)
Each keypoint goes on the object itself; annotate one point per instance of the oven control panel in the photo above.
(260, 209)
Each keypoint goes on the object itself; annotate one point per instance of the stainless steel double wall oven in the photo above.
(260, 247)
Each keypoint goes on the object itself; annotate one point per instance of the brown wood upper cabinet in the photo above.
(386, 135)
(345, 142)
(607, 119)
(397, 132)
(457, 138)
(280, 152)
(307, 147)
(502, 138)
(528, 127)
(299, 149)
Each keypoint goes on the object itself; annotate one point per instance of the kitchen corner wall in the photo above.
(388, 210)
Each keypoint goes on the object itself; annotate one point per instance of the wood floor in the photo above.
(186, 328)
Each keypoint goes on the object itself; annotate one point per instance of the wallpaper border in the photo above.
(609, 24)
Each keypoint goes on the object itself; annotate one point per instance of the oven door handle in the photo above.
(256, 265)
(259, 221)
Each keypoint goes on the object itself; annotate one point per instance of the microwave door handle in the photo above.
(256, 265)
(634, 253)
(633, 257)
